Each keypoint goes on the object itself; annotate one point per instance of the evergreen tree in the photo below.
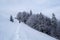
(54, 25)
(19, 16)
(25, 16)
(30, 12)
(11, 19)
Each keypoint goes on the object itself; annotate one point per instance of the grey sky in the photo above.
(47, 7)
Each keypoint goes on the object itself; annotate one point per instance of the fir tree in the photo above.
(11, 19)
(54, 25)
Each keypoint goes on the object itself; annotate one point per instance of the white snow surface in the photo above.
(19, 31)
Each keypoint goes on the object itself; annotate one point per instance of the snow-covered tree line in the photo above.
(40, 22)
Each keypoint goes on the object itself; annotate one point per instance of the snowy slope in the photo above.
(24, 32)
(16, 31)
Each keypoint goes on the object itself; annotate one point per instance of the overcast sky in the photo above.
(47, 7)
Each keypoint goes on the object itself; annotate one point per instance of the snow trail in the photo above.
(20, 34)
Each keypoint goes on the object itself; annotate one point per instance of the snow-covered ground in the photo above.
(7, 28)
(16, 31)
